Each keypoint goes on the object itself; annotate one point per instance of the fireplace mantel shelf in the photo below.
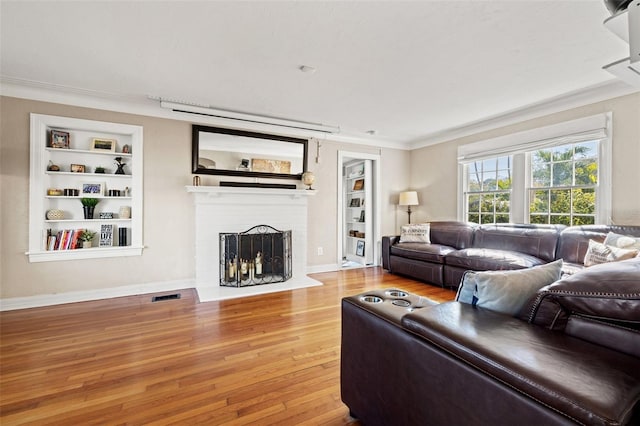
(230, 190)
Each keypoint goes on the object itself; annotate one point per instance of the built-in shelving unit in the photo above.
(79, 153)
(358, 229)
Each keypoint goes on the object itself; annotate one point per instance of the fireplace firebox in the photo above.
(260, 255)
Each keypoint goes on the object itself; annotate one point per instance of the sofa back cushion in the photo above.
(574, 241)
(536, 240)
(458, 235)
(600, 304)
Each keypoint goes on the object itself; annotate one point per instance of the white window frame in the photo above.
(519, 144)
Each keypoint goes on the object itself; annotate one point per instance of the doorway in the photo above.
(358, 209)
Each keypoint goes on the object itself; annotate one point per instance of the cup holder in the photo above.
(371, 299)
(396, 293)
(401, 302)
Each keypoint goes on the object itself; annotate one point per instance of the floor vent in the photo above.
(166, 297)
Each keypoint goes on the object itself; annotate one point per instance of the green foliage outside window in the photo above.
(564, 183)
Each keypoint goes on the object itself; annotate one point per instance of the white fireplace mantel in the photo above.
(236, 209)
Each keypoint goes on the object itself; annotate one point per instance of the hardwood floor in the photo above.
(271, 359)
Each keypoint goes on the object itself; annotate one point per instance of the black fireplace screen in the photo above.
(260, 255)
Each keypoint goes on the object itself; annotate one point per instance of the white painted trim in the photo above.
(25, 89)
(13, 303)
(608, 90)
(141, 105)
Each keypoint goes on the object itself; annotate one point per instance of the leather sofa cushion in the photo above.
(574, 241)
(434, 253)
(550, 367)
(536, 240)
(484, 259)
(600, 304)
(455, 234)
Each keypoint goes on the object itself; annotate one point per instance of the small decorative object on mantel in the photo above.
(308, 178)
(196, 181)
(120, 164)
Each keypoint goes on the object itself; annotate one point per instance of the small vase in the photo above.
(88, 212)
(86, 244)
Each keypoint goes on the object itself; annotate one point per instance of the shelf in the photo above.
(87, 174)
(88, 253)
(79, 197)
(86, 220)
(86, 151)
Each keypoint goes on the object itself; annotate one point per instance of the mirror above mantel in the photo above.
(220, 151)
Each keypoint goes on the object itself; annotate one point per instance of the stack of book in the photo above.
(66, 239)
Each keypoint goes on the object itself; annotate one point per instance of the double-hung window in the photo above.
(558, 174)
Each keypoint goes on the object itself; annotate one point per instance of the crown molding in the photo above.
(608, 90)
(150, 106)
(144, 105)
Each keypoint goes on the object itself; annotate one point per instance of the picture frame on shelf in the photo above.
(355, 202)
(59, 139)
(362, 216)
(77, 168)
(360, 248)
(358, 185)
(106, 145)
(92, 188)
(106, 235)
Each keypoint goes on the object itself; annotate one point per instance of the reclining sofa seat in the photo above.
(572, 356)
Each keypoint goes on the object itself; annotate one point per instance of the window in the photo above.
(488, 190)
(564, 181)
(559, 174)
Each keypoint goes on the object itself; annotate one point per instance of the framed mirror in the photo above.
(219, 151)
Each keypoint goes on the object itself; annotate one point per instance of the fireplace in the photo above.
(221, 210)
(260, 255)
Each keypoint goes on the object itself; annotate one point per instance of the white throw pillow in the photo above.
(418, 233)
(628, 242)
(507, 291)
(601, 253)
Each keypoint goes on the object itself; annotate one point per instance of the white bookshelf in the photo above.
(81, 134)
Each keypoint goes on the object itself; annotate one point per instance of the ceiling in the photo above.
(407, 70)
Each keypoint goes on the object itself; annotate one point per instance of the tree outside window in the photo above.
(488, 192)
(564, 182)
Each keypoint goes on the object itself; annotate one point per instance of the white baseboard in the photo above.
(329, 267)
(13, 303)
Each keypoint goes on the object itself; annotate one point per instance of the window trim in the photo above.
(597, 126)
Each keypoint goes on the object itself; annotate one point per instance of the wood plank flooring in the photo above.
(271, 359)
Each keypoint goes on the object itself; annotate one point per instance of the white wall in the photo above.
(168, 209)
(433, 168)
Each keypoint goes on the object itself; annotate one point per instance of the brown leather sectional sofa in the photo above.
(572, 356)
(460, 246)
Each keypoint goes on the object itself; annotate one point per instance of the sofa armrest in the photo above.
(387, 242)
(600, 304)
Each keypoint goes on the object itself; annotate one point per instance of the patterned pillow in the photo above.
(601, 253)
(415, 233)
(628, 242)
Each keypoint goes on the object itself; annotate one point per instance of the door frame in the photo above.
(348, 156)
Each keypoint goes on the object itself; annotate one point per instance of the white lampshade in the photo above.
(408, 198)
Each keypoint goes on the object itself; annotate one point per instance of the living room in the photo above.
(426, 162)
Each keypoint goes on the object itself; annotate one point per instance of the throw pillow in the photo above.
(628, 242)
(418, 233)
(508, 291)
(601, 253)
